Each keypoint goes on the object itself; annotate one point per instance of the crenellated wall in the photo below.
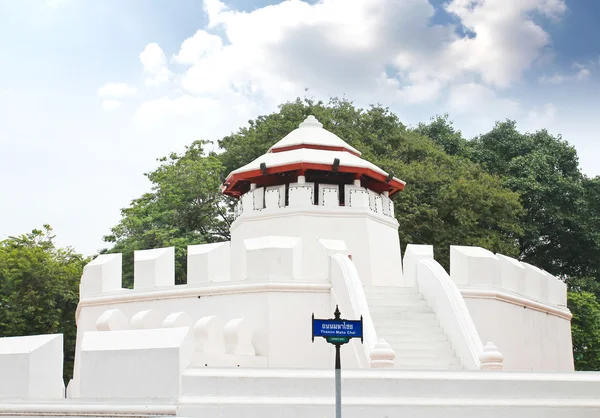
(519, 307)
(303, 194)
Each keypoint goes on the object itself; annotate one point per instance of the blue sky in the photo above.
(92, 92)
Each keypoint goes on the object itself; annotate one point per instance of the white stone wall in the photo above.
(31, 367)
(519, 307)
(365, 223)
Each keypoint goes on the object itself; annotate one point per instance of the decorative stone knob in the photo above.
(382, 355)
(491, 358)
(311, 122)
(112, 320)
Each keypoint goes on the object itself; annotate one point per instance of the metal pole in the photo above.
(338, 383)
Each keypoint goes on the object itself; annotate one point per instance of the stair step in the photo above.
(425, 361)
(426, 318)
(379, 297)
(412, 337)
(390, 289)
(400, 344)
(425, 353)
(393, 327)
(401, 308)
(428, 367)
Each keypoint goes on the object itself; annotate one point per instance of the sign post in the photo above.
(337, 331)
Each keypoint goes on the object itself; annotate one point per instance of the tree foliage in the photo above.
(585, 327)
(561, 222)
(448, 199)
(39, 289)
(184, 207)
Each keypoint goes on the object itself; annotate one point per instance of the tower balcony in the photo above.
(306, 195)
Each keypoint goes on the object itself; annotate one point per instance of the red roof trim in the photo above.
(314, 146)
(254, 176)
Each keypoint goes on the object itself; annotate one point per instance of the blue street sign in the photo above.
(337, 328)
(337, 331)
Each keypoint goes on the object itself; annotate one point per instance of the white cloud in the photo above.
(543, 117)
(384, 51)
(481, 104)
(110, 104)
(581, 74)
(154, 62)
(116, 90)
(200, 45)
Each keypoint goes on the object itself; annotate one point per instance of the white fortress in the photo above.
(314, 229)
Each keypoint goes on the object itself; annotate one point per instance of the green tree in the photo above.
(448, 199)
(544, 170)
(184, 207)
(39, 289)
(585, 327)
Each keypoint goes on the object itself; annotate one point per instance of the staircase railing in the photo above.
(351, 297)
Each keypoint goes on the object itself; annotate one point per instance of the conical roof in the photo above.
(315, 151)
(310, 134)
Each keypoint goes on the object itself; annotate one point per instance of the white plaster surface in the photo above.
(208, 263)
(388, 393)
(31, 367)
(103, 274)
(154, 268)
(371, 238)
(446, 301)
(273, 258)
(143, 364)
(471, 266)
(530, 340)
(413, 254)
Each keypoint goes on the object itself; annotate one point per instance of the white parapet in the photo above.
(275, 197)
(329, 195)
(32, 367)
(512, 274)
(273, 258)
(536, 282)
(557, 292)
(412, 255)
(208, 263)
(102, 275)
(154, 268)
(474, 266)
(375, 202)
(253, 200)
(301, 194)
(142, 364)
(356, 196)
(388, 206)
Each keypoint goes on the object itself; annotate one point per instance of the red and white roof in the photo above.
(310, 134)
(310, 150)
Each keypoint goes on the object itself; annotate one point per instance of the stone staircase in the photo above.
(406, 321)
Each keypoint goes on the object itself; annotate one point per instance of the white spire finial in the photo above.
(311, 122)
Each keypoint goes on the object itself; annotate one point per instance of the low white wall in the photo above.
(279, 313)
(529, 339)
(143, 364)
(32, 367)
(519, 307)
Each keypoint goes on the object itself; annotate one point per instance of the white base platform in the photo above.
(233, 393)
